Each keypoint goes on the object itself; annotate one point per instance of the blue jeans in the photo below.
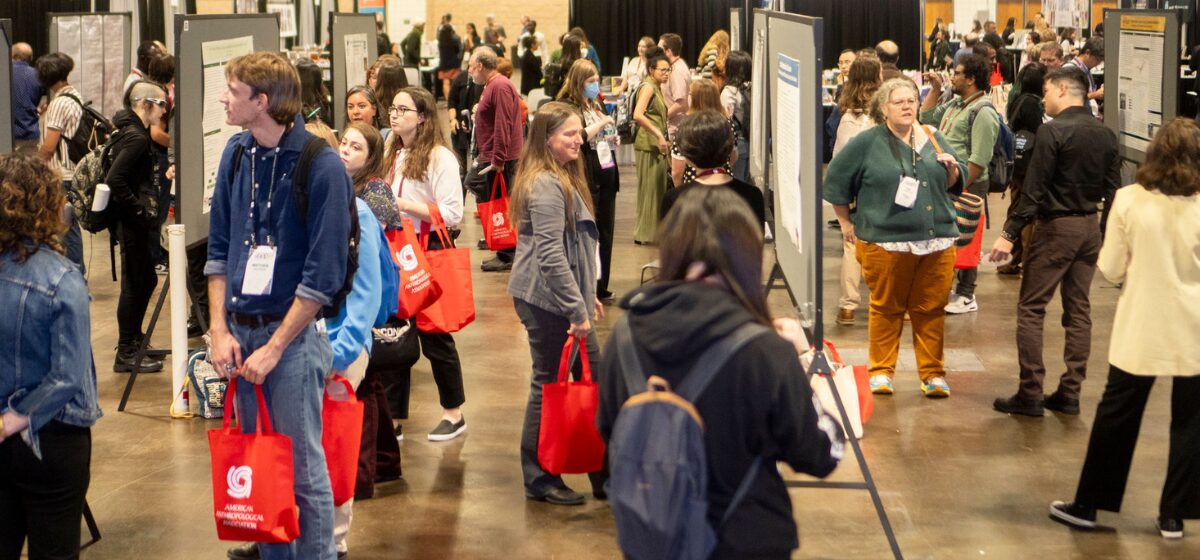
(293, 392)
(73, 238)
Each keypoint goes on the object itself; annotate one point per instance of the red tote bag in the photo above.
(568, 441)
(452, 271)
(498, 230)
(418, 289)
(341, 437)
(252, 479)
(969, 256)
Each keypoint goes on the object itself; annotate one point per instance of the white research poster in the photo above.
(1141, 76)
(214, 56)
(787, 149)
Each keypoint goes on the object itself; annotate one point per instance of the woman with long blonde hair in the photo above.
(554, 273)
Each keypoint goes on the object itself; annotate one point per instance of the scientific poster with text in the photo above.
(214, 56)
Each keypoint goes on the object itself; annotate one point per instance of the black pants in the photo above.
(42, 500)
(1115, 433)
(394, 363)
(510, 171)
(379, 452)
(197, 256)
(391, 362)
(138, 280)
(605, 201)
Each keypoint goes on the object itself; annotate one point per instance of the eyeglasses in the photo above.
(160, 102)
(663, 69)
(400, 110)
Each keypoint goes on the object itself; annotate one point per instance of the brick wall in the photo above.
(551, 16)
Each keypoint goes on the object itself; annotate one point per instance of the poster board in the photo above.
(1141, 75)
(759, 94)
(351, 32)
(735, 28)
(797, 139)
(6, 109)
(203, 43)
(100, 46)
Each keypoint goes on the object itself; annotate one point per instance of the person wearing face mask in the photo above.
(554, 273)
(133, 177)
(423, 171)
(582, 91)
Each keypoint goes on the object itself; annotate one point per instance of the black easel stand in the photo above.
(93, 529)
(143, 352)
(820, 366)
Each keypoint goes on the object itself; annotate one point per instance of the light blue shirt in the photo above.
(350, 331)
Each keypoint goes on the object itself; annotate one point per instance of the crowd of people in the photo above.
(290, 306)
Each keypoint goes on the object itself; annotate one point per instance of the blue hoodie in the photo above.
(350, 331)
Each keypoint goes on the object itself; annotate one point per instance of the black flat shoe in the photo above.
(1169, 528)
(1063, 405)
(248, 551)
(1017, 405)
(560, 497)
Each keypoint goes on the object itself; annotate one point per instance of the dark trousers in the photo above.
(42, 499)
(1115, 433)
(394, 365)
(391, 362)
(547, 335)
(138, 280)
(197, 256)
(968, 277)
(379, 452)
(510, 171)
(1062, 253)
(605, 202)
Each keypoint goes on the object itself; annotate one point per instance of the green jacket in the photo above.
(866, 171)
(952, 119)
(410, 47)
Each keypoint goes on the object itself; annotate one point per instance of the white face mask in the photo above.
(583, 51)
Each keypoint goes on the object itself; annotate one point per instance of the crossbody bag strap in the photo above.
(627, 358)
(714, 358)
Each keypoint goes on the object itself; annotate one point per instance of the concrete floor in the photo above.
(957, 479)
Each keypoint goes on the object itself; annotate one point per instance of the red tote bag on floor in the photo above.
(418, 289)
(253, 494)
(451, 268)
(568, 441)
(498, 230)
(341, 437)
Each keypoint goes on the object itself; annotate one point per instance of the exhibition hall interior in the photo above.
(728, 279)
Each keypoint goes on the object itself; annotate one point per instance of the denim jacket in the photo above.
(46, 367)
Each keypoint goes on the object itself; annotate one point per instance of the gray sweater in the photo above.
(555, 263)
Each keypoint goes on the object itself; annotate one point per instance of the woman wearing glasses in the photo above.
(424, 172)
(653, 148)
(133, 212)
(904, 229)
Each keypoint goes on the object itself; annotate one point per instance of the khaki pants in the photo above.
(918, 285)
(851, 277)
(344, 514)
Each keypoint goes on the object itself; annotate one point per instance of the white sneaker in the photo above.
(962, 304)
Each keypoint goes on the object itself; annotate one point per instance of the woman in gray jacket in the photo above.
(554, 273)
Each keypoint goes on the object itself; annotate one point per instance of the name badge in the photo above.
(906, 193)
(604, 152)
(260, 270)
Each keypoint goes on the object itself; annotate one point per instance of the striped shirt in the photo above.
(63, 115)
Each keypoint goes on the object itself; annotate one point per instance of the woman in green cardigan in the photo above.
(901, 175)
(651, 145)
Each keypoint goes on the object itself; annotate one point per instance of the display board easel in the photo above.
(350, 33)
(99, 44)
(793, 86)
(6, 112)
(1141, 76)
(759, 107)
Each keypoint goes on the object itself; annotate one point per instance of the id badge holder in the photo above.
(260, 270)
(605, 154)
(906, 193)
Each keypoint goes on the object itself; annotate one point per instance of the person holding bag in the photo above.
(554, 274)
(424, 174)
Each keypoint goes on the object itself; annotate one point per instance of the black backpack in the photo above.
(627, 127)
(300, 177)
(92, 131)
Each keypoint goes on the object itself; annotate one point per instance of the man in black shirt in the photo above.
(1075, 167)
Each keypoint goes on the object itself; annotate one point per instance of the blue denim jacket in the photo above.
(311, 254)
(46, 367)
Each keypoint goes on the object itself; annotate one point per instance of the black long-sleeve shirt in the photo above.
(1075, 167)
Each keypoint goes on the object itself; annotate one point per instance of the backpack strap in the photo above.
(743, 489)
(312, 147)
(631, 365)
(714, 358)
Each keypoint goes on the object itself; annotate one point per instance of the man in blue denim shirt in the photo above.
(270, 271)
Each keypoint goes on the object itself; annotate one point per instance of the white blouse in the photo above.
(441, 186)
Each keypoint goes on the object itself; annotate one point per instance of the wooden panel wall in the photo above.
(935, 9)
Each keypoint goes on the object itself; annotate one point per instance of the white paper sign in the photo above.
(356, 59)
(214, 56)
(787, 149)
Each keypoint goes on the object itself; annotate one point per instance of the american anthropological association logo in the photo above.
(498, 219)
(239, 481)
(407, 258)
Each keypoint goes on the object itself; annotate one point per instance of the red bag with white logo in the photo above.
(252, 478)
(418, 289)
(341, 437)
(498, 230)
(452, 267)
(568, 441)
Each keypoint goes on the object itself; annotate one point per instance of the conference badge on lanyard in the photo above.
(260, 270)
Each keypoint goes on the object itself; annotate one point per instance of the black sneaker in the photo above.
(495, 265)
(606, 296)
(1073, 514)
(482, 245)
(123, 362)
(1061, 404)
(1169, 528)
(447, 430)
(559, 497)
(1017, 405)
(248, 551)
(400, 432)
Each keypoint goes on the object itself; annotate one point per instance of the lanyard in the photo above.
(254, 197)
(912, 139)
(721, 171)
(949, 120)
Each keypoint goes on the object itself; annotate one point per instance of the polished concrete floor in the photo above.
(957, 479)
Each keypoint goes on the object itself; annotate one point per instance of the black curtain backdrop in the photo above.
(856, 24)
(30, 21)
(614, 26)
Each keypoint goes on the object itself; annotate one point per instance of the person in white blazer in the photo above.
(1152, 247)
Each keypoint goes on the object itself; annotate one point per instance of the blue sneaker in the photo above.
(881, 384)
(936, 388)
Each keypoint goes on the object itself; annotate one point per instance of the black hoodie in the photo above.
(131, 172)
(758, 404)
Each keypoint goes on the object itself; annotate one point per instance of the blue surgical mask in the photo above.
(592, 90)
